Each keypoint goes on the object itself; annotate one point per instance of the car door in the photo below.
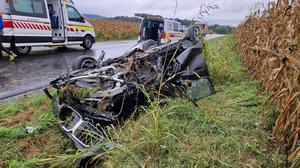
(75, 25)
(31, 23)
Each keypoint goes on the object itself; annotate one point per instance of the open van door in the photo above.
(31, 24)
(57, 20)
(151, 28)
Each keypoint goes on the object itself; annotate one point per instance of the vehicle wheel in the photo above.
(193, 33)
(149, 44)
(21, 51)
(87, 42)
(83, 62)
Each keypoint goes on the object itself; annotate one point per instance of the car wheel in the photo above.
(149, 44)
(21, 51)
(83, 62)
(87, 42)
(193, 33)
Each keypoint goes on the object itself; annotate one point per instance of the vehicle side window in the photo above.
(73, 14)
(169, 26)
(176, 26)
(32, 8)
(180, 27)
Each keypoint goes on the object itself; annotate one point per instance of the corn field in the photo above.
(115, 30)
(269, 44)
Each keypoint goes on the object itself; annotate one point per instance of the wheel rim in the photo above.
(87, 63)
(88, 43)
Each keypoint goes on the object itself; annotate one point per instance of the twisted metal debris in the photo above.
(269, 43)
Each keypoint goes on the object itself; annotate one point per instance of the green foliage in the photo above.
(220, 29)
(223, 62)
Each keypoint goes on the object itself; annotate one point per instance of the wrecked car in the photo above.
(99, 93)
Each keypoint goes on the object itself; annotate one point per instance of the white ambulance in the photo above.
(161, 30)
(30, 23)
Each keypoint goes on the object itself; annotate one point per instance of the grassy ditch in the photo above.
(229, 129)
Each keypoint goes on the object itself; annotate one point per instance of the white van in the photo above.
(161, 30)
(30, 23)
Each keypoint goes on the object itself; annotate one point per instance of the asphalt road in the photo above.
(44, 64)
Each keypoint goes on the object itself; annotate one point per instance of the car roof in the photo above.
(149, 16)
(174, 21)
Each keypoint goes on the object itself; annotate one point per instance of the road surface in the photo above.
(44, 64)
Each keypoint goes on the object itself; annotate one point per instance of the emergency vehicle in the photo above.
(30, 23)
(159, 29)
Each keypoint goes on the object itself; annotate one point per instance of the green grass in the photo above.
(229, 129)
(20, 149)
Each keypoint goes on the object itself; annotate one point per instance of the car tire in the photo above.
(149, 44)
(83, 62)
(87, 42)
(21, 51)
(193, 33)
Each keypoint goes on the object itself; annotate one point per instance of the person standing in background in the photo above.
(12, 56)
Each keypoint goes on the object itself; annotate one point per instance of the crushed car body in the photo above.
(99, 93)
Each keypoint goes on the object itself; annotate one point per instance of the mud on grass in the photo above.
(21, 149)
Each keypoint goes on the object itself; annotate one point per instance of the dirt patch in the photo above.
(34, 146)
(1, 164)
(18, 118)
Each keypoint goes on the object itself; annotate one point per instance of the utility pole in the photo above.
(175, 9)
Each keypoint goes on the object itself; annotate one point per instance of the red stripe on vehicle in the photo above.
(42, 28)
(34, 26)
(23, 25)
(27, 27)
(72, 30)
(45, 27)
(30, 25)
(15, 25)
(18, 25)
(38, 26)
(8, 24)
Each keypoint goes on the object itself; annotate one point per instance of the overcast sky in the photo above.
(231, 12)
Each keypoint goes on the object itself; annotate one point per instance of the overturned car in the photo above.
(99, 93)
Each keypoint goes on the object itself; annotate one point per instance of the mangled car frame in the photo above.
(99, 93)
